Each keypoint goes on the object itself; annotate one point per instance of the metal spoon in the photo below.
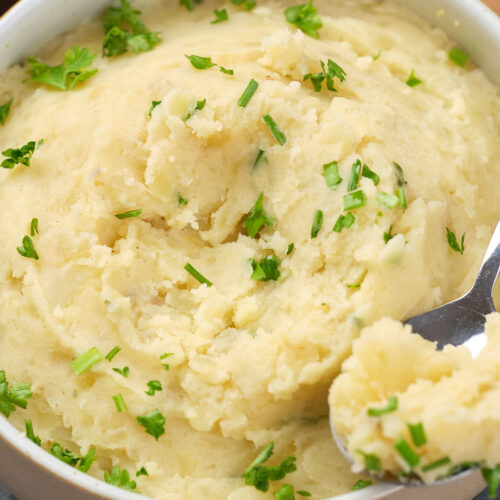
(460, 322)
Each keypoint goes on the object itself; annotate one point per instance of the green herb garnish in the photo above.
(34, 227)
(362, 483)
(417, 432)
(197, 275)
(18, 156)
(259, 157)
(344, 221)
(226, 70)
(257, 218)
(30, 434)
(153, 106)
(290, 248)
(246, 4)
(120, 404)
(458, 56)
(274, 129)
(86, 361)
(121, 478)
(355, 199)
(353, 285)
(124, 29)
(406, 451)
(200, 62)
(391, 406)
(387, 200)
(329, 71)
(189, 4)
(266, 269)
(220, 15)
(17, 395)
(388, 236)
(452, 241)
(372, 462)
(65, 76)
(72, 459)
(166, 366)
(154, 385)
(304, 493)
(141, 472)
(437, 464)
(130, 214)
(413, 81)
(370, 174)
(377, 55)
(259, 475)
(124, 372)
(331, 174)
(4, 111)
(199, 106)
(317, 223)
(111, 354)
(492, 478)
(181, 200)
(153, 422)
(305, 17)
(87, 460)
(248, 93)
(286, 492)
(28, 249)
(354, 177)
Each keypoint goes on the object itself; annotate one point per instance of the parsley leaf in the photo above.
(328, 73)
(274, 129)
(362, 483)
(290, 248)
(344, 221)
(248, 93)
(247, 4)
(72, 459)
(4, 111)
(197, 275)
(413, 81)
(153, 422)
(392, 405)
(141, 472)
(458, 56)
(87, 460)
(19, 156)
(331, 173)
(266, 269)
(65, 76)
(200, 62)
(30, 433)
(189, 4)
(125, 372)
(286, 492)
(28, 249)
(220, 15)
(317, 223)
(121, 478)
(452, 241)
(16, 396)
(153, 106)
(199, 106)
(305, 17)
(257, 218)
(181, 200)
(124, 29)
(259, 475)
(154, 385)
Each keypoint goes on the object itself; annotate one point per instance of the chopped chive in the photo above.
(199, 106)
(354, 285)
(34, 227)
(406, 451)
(153, 106)
(377, 55)
(399, 175)
(200, 62)
(354, 178)
(492, 478)
(260, 154)
(344, 221)
(226, 71)
(387, 200)
(388, 236)
(166, 355)
(437, 464)
(401, 198)
(304, 493)
(248, 93)
(181, 200)
(331, 173)
(154, 386)
(274, 129)
(120, 403)
(30, 434)
(130, 214)
(125, 372)
(413, 81)
(372, 462)
(291, 246)
(355, 199)
(417, 432)
(458, 56)
(452, 241)
(197, 275)
(86, 361)
(317, 223)
(392, 405)
(111, 354)
(362, 483)
(220, 15)
(370, 174)
(141, 472)
(4, 111)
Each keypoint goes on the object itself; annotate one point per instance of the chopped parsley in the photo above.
(452, 241)
(72, 459)
(259, 475)
(344, 221)
(19, 156)
(354, 285)
(111, 354)
(124, 29)
(392, 405)
(406, 451)
(189, 4)
(437, 464)
(328, 73)
(121, 478)
(220, 15)
(153, 106)
(28, 249)
(388, 235)
(492, 478)
(4, 111)
(200, 62)
(124, 372)
(305, 17)
(286, 492)
(290, 248)
(154, 385)
(17, 395)
(354, 177)
(181, 200)
(372, 462)
(362, 483)
(166, 366)
(370, 174)
(65, 76)
(86, 361)
(417, 432)
(130, 214)
(317, 223)
(141, 472)
(331, 174)
(274, 129)
(197, 275)
(257, 218)
(153, 422)
(248, 93)
(355, 199)
(246, 4)
(226, 71)
(87, 460)
(30, 434)
(34, 227)
(387, 200)
(120, 404)
(413, 81)
(458, 56)
(199, 106)
(266, 269)
(259, 157)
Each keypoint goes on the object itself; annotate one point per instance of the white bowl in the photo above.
(31, 473)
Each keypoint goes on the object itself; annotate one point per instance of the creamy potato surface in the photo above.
(251, 361)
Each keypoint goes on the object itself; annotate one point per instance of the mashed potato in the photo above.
(251, 360)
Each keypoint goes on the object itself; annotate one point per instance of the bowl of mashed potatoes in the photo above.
(205, 206)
